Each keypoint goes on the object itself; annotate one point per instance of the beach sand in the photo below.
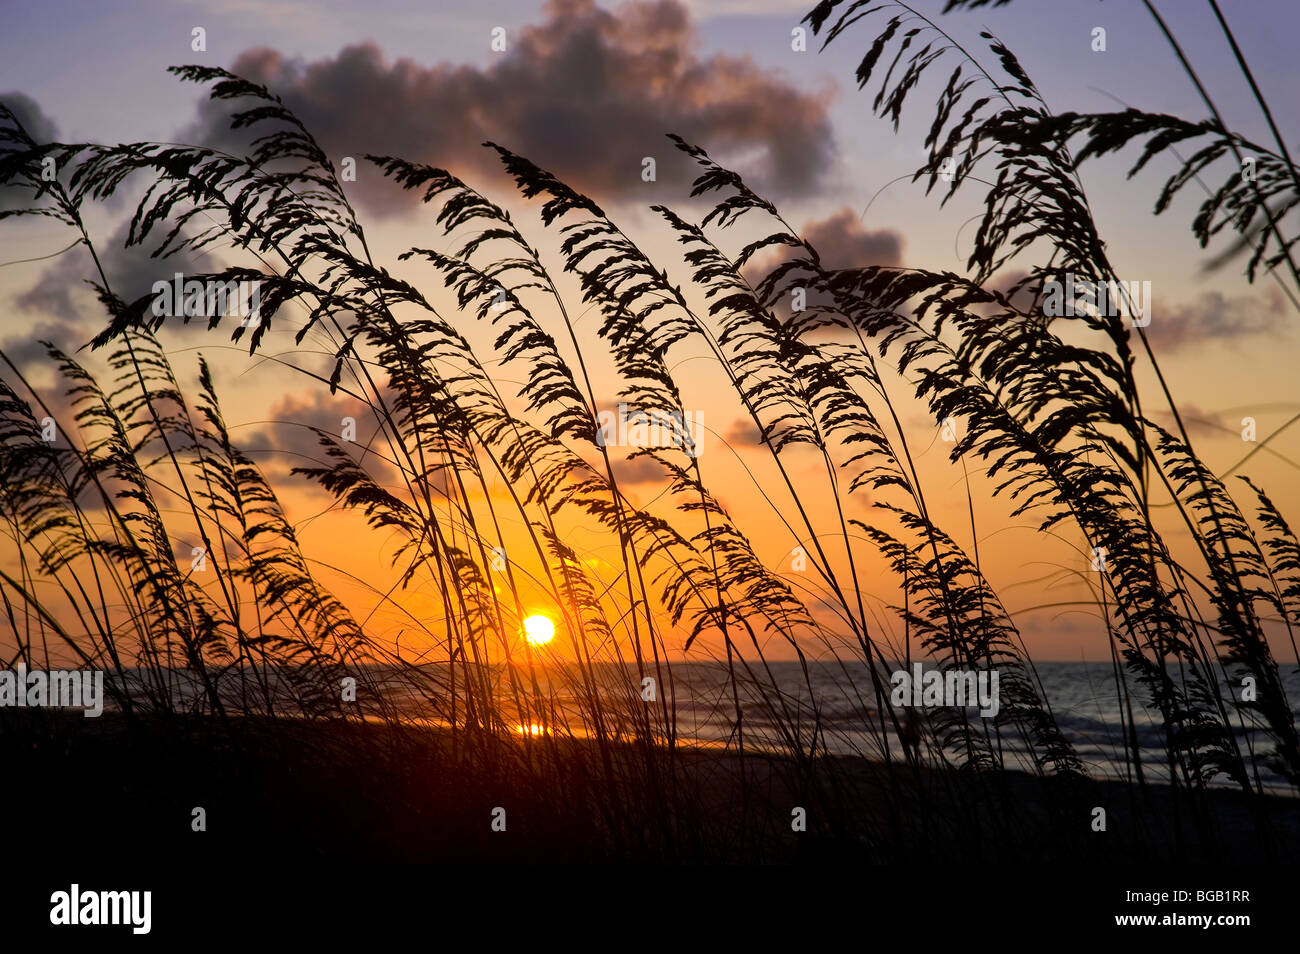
(374, 792)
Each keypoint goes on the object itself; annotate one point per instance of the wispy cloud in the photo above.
(1215, 318)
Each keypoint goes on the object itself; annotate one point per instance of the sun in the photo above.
(539, 630)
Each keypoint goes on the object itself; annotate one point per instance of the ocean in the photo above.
(774, 700)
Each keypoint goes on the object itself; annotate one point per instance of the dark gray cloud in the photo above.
(742, 433)
(27, 349)
(130, 272)
(13, 194)
(28, 112)
(586, 94)
(842, 242)
(62, 317)
(286, 440)
(639, 470)
(1211, 319)
(1214, 319)
(53, 292)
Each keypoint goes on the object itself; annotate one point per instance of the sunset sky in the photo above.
(588, 91)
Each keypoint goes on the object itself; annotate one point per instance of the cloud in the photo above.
(842, 242)
(29, 113)
(42, 130)
(1197, 420)
(68, 313)
(64, 319)
(639, 470)
(1216, 318)
(1009, 285)
(131, 273)
(1209, 318)
(26, 350)
(587, 94)
(52, 293)
(286, 440)
(743, 433)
